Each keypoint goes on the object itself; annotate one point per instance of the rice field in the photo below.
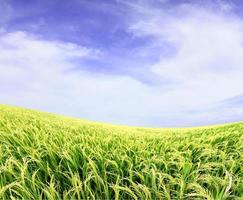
(46, 156)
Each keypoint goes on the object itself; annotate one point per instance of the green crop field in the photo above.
(46, 156)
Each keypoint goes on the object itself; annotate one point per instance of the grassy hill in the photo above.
(46, 156)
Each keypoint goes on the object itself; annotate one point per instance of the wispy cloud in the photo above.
(207, 61)
(39, 74)
(177, 67)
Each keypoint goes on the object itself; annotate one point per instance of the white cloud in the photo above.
(208, 62)
(39, 74)
(207, 67)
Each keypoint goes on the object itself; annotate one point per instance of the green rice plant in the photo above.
(46, 156)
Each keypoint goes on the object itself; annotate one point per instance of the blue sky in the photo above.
(158, 63)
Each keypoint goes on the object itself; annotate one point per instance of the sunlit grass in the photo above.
(44, 156)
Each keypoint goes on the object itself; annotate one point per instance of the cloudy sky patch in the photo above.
(143, 63)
